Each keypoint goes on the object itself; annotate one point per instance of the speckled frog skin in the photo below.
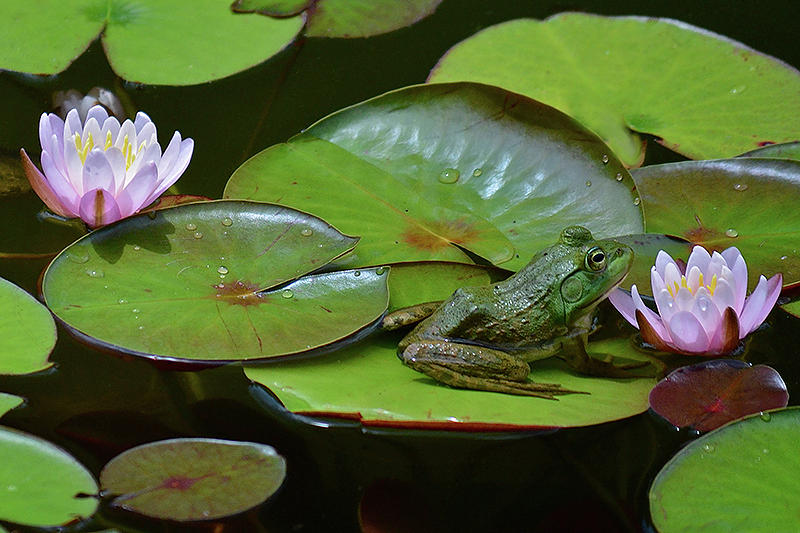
(484, 337)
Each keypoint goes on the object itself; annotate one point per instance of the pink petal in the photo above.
(97, 173)
(687, 333)
(760, 303)
(176, 171)
(726, 336)
(141, 121)
(684, 300)
(650, 335)
(98, 113)
(723, 296)
(662, 260)
(672, 276)
(42, 187)
(117, 162)
(170, 155)
(666, 304)
(72, 125)
(706, 312)
(111, 125)
(693, 277)
(99, 208)
(74, 168)
(698, 258)
(140, 188)
(739, 270)
(652, 318)
(623, 302)
(60, 185)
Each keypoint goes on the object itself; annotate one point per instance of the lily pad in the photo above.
(368, 382)
(182, 42)
(781, 151)
(425, 172)
(747, 203)
(208, 282)
(193, 479)
(345, 18)
(27, 331)
(622, 76)
(740, 477)
(793, 308)
(9, 402)
(710, 394)
(646, 247)
(43, 486)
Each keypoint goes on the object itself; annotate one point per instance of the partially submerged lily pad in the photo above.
(27, 331)
(181, 42)
(781, 151)
(741, 477)
(426, 172)
(42, 486)
(190, 480)
(710, 394)
(211, 282)
(747, 203)
(622, 76)
(368, 382)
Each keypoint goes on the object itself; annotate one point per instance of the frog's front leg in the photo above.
(409, 315)
(575, 355)
(468, 366)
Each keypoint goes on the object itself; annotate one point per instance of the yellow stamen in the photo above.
(83, 149)
(109, 141)
(713, 285)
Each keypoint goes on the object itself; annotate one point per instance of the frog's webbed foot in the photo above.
(609, 366)
(467, 366)
(409, 315)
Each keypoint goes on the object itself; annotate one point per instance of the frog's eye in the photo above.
(596, 259)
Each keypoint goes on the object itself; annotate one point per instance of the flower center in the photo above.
(85, 146)
(683, 283)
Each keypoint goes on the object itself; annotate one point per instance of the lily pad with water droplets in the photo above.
(189, 480)
(41, 485)
(740, 477)
(27, 331)
(704, 95)
(216, 281)
(368, 382)
(181, 42)
(743, 202)
(426, 172)
(710, 394)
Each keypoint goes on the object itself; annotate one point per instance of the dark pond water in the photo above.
(96, 405)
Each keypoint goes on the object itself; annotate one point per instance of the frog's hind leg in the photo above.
(467, 366)
(409, 315)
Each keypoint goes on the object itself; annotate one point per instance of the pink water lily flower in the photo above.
(703, 311)
(102, 171)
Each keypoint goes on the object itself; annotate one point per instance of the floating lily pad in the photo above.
(181, 42)
(368, 381)
(747, 203)
(43, 486)
(193, 479)
(426, 172)
(345, 18)
(9, 402)
(741, 477)
(710, 394)
(415, 283)
(793, 308)
(782, 151)
(705, 95)
(27, 331)
(646, 247)
(206, 282)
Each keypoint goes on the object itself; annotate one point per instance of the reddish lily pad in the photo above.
(175, 199)
(215, 281)
(707, 395)
(426, 172)
(27, 331)
(622, 76)
(747, 203)
(189, 480)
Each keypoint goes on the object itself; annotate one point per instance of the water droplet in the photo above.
(738, 89)
(477, 172)
(588, 183)
(618, 176)
(141, 328)
(227, 221)
(287, 293)
(357, 273)
(702, 304)
(766, 417)
(191, 227)
(92, 273)
(222, 270)
(732, 233)
(306, 232)
(449, 175)
(708, 447)
(784, 257)
(380, 270)
(636, 201)
(136, 247)
(604, 159)
(198, 235)
(740, 187)
(122, 301)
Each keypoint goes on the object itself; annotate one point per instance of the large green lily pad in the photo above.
(368, 382)
(704, 95)
(747, 203)
(193, 479)
(645, 248)
(181, 42)
(9, 402)
(344, 18)
(428, 171)
(42, 485)
(207, 281)
(740, 477)
(781, 151)
(27, 331)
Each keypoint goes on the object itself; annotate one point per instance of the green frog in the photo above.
(484, 337)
